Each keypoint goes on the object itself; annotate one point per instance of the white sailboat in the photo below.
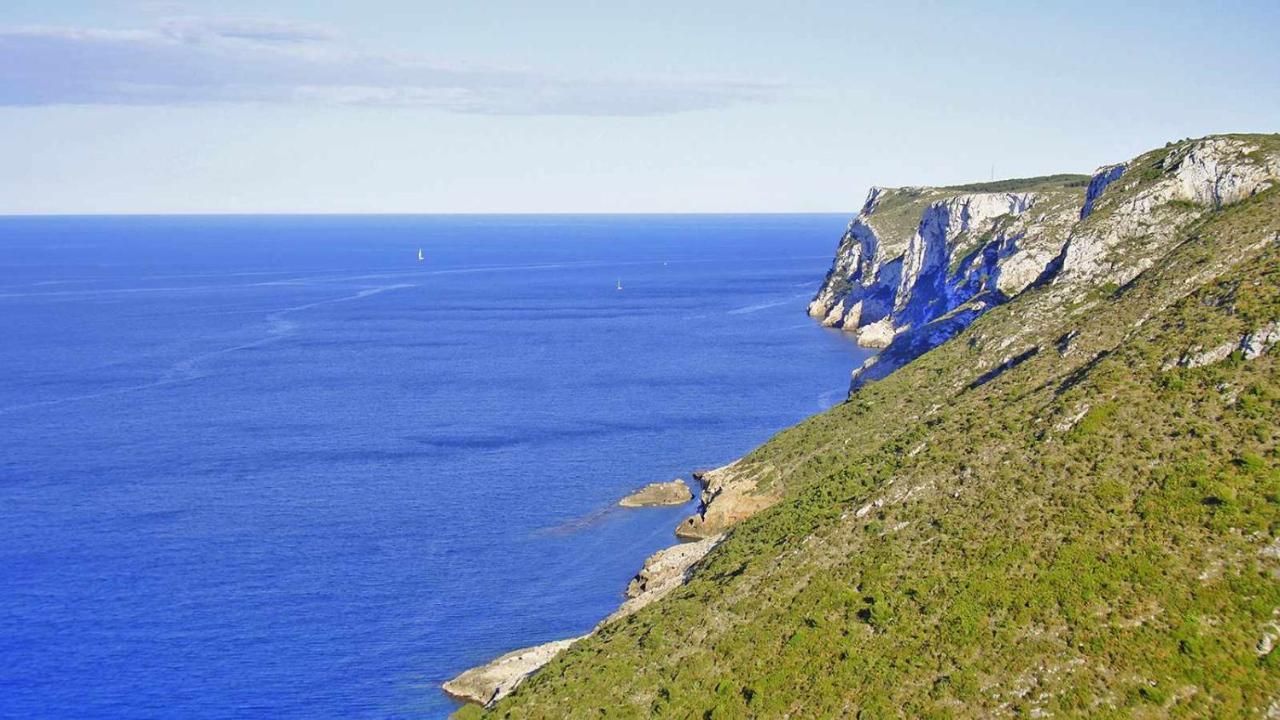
(420, 258)
(619, 283)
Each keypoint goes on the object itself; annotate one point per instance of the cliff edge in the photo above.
(918, 265)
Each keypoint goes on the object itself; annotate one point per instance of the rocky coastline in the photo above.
(495, 679)
(1093, 274)
(728, 496)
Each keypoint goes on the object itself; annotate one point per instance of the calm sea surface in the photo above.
(277, 467)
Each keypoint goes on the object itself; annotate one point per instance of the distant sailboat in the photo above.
(619, 283)
(420, 258)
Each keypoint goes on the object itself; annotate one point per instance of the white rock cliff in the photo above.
(918, 265)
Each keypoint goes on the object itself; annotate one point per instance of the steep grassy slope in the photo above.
(1053, 512)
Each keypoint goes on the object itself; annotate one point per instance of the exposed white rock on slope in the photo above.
(854, 271)
(1251, 346)
(1259, 341)
(1211, 172)
(923, 291)
(1134, 219)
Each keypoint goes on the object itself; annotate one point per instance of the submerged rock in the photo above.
(675, 492)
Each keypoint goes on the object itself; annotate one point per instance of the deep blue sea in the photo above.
(276, 467)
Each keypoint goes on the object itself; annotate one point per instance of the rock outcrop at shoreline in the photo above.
(657, 494)
(730, 494)
(662, 572)
(492, 681)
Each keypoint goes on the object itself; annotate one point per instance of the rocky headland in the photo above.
(917, 265)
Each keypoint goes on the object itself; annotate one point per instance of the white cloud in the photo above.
(193, 60)
(197, 29)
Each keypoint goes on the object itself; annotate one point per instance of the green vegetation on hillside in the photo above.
(1041, 183)
(1077, 531)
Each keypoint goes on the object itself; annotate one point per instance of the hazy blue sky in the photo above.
(420, 106)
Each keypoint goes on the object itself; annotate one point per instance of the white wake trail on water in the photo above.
(89, 293)
(322, 277)
(765, 305)
(278, 327)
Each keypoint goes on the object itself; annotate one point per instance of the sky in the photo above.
(416, 106)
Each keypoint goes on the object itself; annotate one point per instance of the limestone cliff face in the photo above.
(915, 254)
(918, 265)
